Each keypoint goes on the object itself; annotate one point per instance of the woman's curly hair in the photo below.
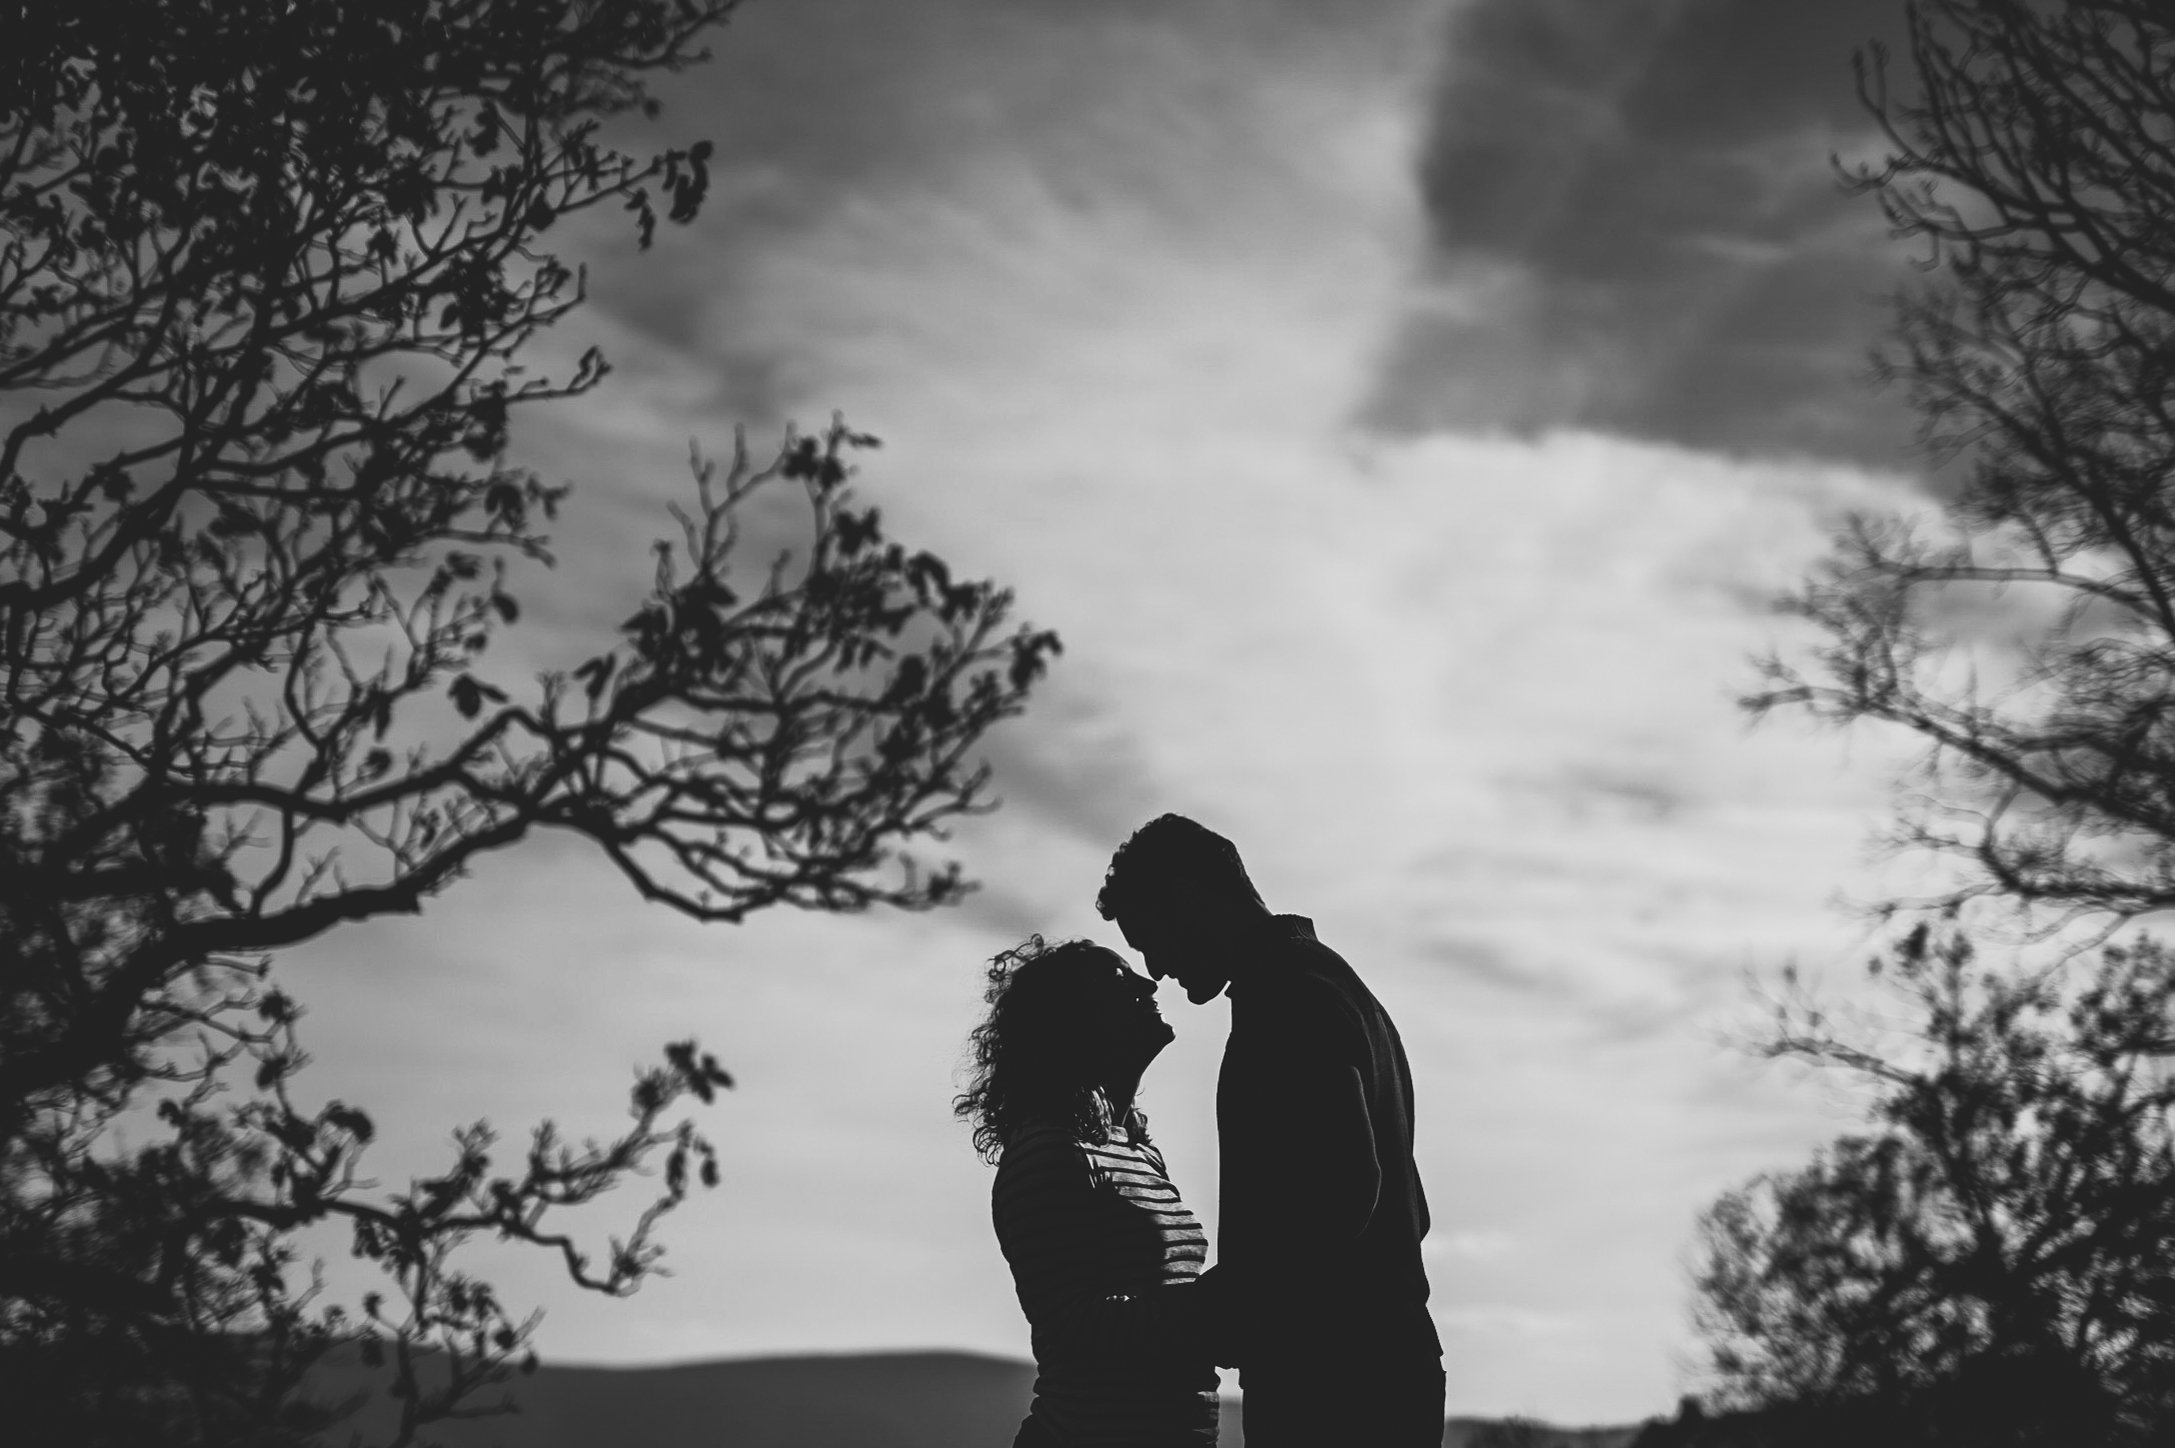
(1035, 1053)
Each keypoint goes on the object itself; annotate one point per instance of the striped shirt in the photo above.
(1104, 1255)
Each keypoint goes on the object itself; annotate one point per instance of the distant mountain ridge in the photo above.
(1524, 1433)
(874, 1400)
(861, 1400)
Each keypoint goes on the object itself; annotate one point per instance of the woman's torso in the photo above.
(1103, 1253)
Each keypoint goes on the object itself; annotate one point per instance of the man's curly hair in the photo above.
(1033, 1063)
(1172, 860)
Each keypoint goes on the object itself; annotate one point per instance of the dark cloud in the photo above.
(1078, 769)
(1601, 1017)
(1640, 794)
(810, 105)
(1479, 960)
(1636, 228)
(1005, 915)
(846, 92)
(1635, 1023)
(817, 106)
(1634, 224)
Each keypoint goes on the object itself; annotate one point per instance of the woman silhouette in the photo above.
(1102, 1251)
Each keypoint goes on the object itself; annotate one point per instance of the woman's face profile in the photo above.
(1126, 1027)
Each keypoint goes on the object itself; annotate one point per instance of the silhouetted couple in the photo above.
(1318, 1297)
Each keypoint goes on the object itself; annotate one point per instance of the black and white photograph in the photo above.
(1087, 723)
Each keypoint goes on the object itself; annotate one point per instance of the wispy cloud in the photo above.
(1118, 285)
(1635, 225)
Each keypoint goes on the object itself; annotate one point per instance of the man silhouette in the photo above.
(1319, 1298)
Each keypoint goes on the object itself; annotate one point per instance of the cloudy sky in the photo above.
(1404, 410)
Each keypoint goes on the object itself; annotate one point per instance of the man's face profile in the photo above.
(1181, 946)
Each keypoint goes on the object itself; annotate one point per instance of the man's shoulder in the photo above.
(1308, 990)
(1310, 972)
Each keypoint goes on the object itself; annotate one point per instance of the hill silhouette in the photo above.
(866, 1400)
(1524, 1433)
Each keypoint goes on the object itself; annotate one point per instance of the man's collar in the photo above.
(1289, 927)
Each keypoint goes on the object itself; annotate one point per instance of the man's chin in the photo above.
(1201, 992)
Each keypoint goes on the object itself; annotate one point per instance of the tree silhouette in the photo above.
(2033, 159)
(1988, 1260)
(2001, 1241)
(270, 276)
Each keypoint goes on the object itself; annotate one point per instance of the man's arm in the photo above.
(1311, 1133)
(1323, 1196)
(1337, 1171)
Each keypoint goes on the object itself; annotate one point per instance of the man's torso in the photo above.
(1304, 1015)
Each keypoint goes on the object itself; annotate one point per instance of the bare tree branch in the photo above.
(271, 276)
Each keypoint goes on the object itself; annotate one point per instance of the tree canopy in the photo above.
(272, 279)
(2000, 1241)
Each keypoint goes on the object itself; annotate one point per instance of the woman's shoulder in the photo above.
(1041, 1167)
(1130, 1166)
(1043, 1151)
(1040, 1148)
